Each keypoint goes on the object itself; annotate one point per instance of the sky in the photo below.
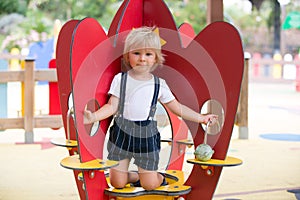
(243, 4)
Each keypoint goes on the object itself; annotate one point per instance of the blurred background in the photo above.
(269, 30)
(266, 26)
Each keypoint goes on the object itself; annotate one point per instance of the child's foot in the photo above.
(164, 182)
(138, 183)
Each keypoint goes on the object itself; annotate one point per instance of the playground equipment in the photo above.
(204, 152)
(202, 71)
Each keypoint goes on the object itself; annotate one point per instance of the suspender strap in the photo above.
(154, 99)
(122, 94)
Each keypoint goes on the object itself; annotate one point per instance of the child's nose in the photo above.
(142, 57)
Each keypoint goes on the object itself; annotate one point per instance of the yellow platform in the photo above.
(186, 142)
(229, 161)
(73, 162)
(174, 189)
(64, 143)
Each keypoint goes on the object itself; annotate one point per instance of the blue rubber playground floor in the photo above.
(282, 136)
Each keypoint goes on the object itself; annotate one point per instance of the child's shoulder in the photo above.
(118, 75)
(162, 81)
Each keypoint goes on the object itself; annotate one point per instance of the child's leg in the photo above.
(150, 180)
(119, 175)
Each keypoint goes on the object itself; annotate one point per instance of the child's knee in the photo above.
(150, 184)
(118, 183)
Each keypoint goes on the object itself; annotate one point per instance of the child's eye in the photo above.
(136, 53)
(149, 54)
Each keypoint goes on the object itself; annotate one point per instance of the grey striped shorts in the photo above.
(135, 139)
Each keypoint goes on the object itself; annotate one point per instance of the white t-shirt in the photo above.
(138, 96)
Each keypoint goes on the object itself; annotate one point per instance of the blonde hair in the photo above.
(142, 38)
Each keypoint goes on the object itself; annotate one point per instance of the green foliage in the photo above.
(39, 17)
(193, 12)
(37, 22)
(8, 6)
(13, 6)
(19, 18)
(245, 20)
(74, 9)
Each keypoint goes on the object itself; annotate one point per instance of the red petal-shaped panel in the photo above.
(63, 59)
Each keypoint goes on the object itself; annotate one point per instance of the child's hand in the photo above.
(88, 117)
(210, 118)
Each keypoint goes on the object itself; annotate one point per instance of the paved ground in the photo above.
(271, 155)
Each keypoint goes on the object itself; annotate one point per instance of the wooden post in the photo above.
(214, 11)
(29, 100)
(22, 91)
(242, 112)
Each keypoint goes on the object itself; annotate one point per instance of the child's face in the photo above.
(142, 59)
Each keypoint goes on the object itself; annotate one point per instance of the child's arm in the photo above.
(104, 112)
(189, 114)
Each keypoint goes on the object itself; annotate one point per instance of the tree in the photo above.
(21, 17)
(73, 9)
(274, 20)
(13, 6)
(191, 11)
